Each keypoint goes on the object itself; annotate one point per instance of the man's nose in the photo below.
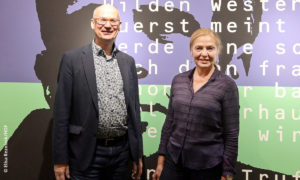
(107, 24)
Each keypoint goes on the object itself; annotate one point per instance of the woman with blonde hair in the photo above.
(199, 139)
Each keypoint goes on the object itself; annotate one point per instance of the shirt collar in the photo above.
(212, 77)
(98, 51)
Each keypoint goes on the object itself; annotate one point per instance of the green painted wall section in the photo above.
(17, 100)
(262, 113)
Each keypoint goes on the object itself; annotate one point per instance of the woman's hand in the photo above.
(157, 172)
(226, 178)
(159, 167)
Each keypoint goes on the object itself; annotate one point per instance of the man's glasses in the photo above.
(102, 21)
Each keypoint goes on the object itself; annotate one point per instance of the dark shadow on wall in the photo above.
(241, 36)
(30, 146)
(60, 32)
(224, 16)
(29, 149)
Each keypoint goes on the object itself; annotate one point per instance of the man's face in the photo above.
(106, 24)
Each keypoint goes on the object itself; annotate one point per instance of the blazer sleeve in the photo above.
(62, 112)
(137, 110)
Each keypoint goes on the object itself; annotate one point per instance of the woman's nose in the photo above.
(204, 52)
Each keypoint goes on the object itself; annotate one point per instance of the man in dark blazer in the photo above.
(97, 126)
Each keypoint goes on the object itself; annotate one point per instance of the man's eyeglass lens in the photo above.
(111, 21)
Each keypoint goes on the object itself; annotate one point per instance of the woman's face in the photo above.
(204, 51)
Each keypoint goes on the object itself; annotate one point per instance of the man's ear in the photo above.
(120, 26)
(92, 24)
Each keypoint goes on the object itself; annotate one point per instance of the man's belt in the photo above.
(114, 141)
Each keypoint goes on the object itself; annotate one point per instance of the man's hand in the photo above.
(137, 170)
(61, 171)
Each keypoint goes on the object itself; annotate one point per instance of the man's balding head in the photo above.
(106, 8)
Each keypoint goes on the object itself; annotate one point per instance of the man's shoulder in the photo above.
(123, 55)
(79, 50)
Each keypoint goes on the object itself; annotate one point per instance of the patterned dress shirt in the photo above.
(111, 99)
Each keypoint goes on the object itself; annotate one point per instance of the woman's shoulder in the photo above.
(185, 74)
(226, 80)
(181, 77)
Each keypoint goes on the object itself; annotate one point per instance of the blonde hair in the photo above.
(204, 32)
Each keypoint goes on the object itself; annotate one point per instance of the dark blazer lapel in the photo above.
(89, 69)
(123, 66)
